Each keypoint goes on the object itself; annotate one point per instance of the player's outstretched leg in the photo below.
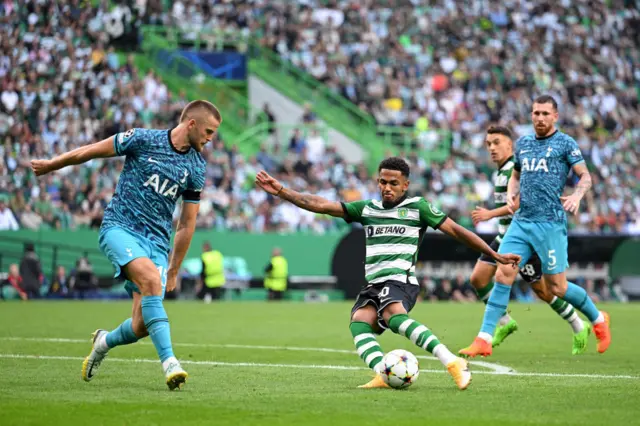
(422, 337)
(130, 331)
(482, 282)
(579, 298)
(581, 329)
(369, 350)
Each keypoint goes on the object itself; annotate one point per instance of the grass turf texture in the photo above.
(50, 390)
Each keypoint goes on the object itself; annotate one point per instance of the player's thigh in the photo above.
(145, 275)
(551, 244)
(121, 247)
(401, 298)
(137, 322)
(160, 259)
(365, 309)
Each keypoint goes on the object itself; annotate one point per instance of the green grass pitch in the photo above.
(294, 364)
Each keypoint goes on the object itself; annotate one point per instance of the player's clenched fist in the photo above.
(509, 258)
(41, 167)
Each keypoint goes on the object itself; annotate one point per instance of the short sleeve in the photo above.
(516, 156)
(430, 215)
(353, 210)
(195, 186)
(129, 142)
(573, 154)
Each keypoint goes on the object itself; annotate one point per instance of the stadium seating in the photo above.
(422, 77)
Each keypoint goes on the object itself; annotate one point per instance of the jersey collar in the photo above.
(512, 158)
(547, 137)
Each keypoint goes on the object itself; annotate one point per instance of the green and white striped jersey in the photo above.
(393, 236)
(500, 183)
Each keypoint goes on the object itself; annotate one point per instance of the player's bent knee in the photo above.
(557, 284)
(393, 309)
(506, 274)
(366, 314)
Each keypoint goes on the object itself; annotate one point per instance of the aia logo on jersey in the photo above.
(164, 188)
(534, 165)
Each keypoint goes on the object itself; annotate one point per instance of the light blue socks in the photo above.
(157, 323)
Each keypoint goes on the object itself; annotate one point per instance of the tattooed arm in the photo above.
(572, 202)
(313, 203)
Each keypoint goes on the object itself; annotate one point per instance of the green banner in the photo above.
(308, 254)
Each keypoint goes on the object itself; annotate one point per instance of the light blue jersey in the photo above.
(155, 175)
(544, 164)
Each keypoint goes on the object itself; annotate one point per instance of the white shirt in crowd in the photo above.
(8, 221)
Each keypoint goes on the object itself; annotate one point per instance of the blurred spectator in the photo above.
(83, 282)
(443, 67)
(14, 280)
(59, 287)
(7, 219)
(31, 272)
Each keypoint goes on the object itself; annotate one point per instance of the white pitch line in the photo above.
(305, 366)
(488, 365)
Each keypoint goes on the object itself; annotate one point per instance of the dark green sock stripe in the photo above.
(482, 292)
(423, 337)
(410, 329)
(432, 344)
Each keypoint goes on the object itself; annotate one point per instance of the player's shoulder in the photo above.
(415, 203)
(198, 162)
(565, 138)
(526, 139)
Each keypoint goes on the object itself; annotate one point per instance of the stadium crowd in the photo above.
(459, 67)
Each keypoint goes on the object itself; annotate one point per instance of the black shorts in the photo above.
(376, 296)
(531, 272)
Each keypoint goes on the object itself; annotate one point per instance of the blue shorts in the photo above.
(122, 246)
(548, 239)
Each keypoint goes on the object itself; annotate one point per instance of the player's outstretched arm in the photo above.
(182, 240)
(102, 149)
(470, 239)
(572, 202)
(313, 203)
(513, 192)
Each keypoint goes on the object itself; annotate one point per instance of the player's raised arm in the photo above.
(312, 203)
(470, 239)
(102, 149)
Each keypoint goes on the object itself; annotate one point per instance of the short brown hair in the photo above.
(500, 130)
(200, 104)
(546, 99)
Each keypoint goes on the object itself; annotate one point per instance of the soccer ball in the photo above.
(399, 369)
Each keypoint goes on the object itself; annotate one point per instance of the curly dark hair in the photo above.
(395, 163)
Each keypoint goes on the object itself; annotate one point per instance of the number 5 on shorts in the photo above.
(552, 260)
